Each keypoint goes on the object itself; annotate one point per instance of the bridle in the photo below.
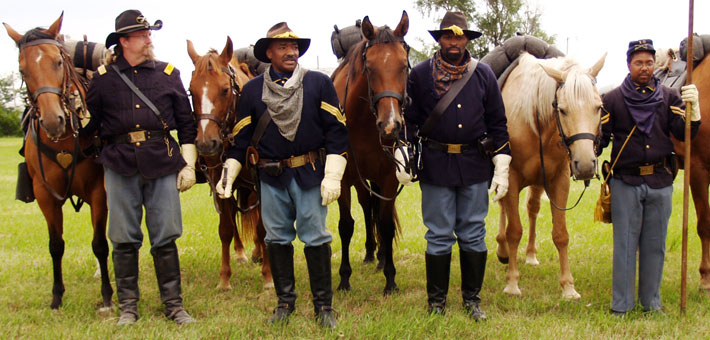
(567, 142)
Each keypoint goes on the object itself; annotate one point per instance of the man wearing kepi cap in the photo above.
(641, 114)
(451, 125)
(135, 101)
(292, 119)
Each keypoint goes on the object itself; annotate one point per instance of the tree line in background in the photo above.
(9, 113)
(498, 20)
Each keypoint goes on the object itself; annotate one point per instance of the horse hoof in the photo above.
(242, 258)
(503, 260)
(368, 259)
(56, 303)
(380, 266)
(512, 290)
(391, 290)
(570, 294)
(106, 311)
(224, 286)
(344, 287)
(269, 285)
(531, 260)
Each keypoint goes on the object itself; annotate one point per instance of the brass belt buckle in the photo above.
(453, 148)
(297, 161)
(136, 136)
(646, 170)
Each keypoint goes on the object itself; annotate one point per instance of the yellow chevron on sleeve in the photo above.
(102, 70)
(605, 118)
(242, 124)
(501, 147)
(334, 111)
(677, 110)
(169, 69)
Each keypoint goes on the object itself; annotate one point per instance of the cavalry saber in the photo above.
(686, 167)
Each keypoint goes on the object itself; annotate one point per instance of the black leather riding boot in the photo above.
(125, 267)
(281, 261)
(319, 272)
(437, 281)
(167, 271)
(473, 267)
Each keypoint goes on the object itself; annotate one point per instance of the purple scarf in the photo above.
(642, 106)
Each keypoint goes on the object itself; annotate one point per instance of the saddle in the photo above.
(674, 74)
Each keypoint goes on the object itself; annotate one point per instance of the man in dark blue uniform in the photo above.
(300, 164)
(455, 169)
(644, 113)
(142, 163)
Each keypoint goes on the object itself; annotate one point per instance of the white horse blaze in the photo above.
(207, 106)
(39, 57)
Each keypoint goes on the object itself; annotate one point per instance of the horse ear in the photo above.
(227, 52)
(556, 74)
(56, 26)
(403, 26)
(12, 33)
(594, 70)
(367, 30)
(191, 52)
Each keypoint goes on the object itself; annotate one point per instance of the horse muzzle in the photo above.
(55, 126)
(208, 147)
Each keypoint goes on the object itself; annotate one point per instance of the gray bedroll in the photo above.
(246, 55)
(85, 54)
(342, 39)
(504, 58)
(701, 48)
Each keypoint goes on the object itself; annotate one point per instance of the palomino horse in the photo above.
(215, 87)
(553, 111)
(59, 160)
(371, 83)
(700, 168)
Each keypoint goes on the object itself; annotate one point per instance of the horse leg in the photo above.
(374, 213)
(502, 250)
(346, 226)
(386, 227)
(99, 244)
(534, 193)
(52, 210)
(699, 187)
(513, 233)
(239, 252)
(261, 245)
(227, 231)
(366, 203)
(560, 236)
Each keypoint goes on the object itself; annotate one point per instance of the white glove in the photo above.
(404, 177)
(689, 94)
(330, 186)
(499, 184)
(224, 185)
(186, 177)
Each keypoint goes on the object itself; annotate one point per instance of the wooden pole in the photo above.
(686, 167)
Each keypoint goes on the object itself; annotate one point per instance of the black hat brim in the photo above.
(263, 44)
(112, 38)
(468, 33)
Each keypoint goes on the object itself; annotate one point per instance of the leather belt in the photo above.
(293, 161)
(643, 170)
(137, 137)
(448, 148)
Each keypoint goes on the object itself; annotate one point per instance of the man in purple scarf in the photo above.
(642, 114)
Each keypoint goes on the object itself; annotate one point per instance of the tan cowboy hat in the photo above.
(279, 31)
(130, 21)
(454, 22)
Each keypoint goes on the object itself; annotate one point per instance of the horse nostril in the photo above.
(60, 120)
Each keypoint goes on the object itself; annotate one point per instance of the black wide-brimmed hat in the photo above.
(643, 45)
(131, 21)
(279, 31)
(454, 22)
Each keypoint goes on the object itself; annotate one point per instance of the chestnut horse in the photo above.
(553, 110)
(700, 168)
(215, 87)
(59, 160)
(371, 85)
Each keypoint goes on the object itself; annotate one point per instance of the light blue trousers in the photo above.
(280, 208)
(455, 213)
(127, 195)
(640, 217)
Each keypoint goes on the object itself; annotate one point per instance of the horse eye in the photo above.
(563, 112)
(59, 63)
(225, 91)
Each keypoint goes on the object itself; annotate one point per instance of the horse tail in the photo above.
(248, 220)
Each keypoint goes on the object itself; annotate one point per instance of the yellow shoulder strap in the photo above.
(169, 69)
(102, 70)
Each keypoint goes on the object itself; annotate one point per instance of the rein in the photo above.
(567, 142)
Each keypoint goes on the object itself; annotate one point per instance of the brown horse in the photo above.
(59, 160)
(371, 84)
(215, 87)
(553, 111)
(700, 168)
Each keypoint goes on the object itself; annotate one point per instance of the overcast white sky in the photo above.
(585, 29)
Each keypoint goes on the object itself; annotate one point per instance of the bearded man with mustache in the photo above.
(641, 114)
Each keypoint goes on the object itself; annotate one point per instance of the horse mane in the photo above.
(354, 57)
(208, 62)
(35, 34)
(529, 75)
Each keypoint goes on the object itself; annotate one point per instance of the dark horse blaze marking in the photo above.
(368, 82)
(50, 78)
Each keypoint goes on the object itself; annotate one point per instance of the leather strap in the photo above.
(140, 95)
(293, 161)
(446, 100)
(260, 128)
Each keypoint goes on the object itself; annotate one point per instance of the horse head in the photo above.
(578, 113)
(215, 88)
(45, 72)
(385, 62)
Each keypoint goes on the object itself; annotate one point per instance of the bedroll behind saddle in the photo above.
(246, 55)
(503, 58)
(342, 39)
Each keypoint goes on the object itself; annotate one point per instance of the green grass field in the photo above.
(364, 313)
